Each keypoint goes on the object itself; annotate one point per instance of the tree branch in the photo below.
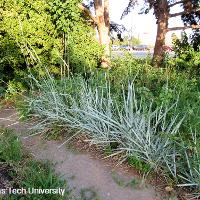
(173, 4)
(183, 28)
(184, 12)
(87, 12)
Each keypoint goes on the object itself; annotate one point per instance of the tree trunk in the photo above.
(162, 20)
(104, 39)
(103, 27)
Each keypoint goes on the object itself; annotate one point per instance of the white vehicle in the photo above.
(115, 47)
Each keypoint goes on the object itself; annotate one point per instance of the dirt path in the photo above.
(86, 175)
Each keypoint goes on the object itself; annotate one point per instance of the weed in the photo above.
(108, 150)
(117, 179)
(89, 194)
(10, 147)
(133, 183)
(139, 164)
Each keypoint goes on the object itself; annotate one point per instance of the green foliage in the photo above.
(27, 39)
(30, 26)
(186, 57)
(10, 147)
(138, 164)
(81, 48)
(39, 33)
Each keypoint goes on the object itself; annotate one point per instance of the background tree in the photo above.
(28, 38)
(162, 13)
(80, 49)
(102, 22)
(193, 18)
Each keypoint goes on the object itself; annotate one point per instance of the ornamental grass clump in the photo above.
(135, 127)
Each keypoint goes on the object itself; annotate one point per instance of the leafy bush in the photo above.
(81, 48)
(31, 33)
(41, 33)
(187, 58)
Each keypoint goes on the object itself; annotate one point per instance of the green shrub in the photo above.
(81, 49)
(187, 58)
(54, 34)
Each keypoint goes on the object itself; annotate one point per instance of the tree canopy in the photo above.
(38, 33)
(161, 9)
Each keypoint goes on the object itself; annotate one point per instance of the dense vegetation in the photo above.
(35, 33)
(148, 115)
